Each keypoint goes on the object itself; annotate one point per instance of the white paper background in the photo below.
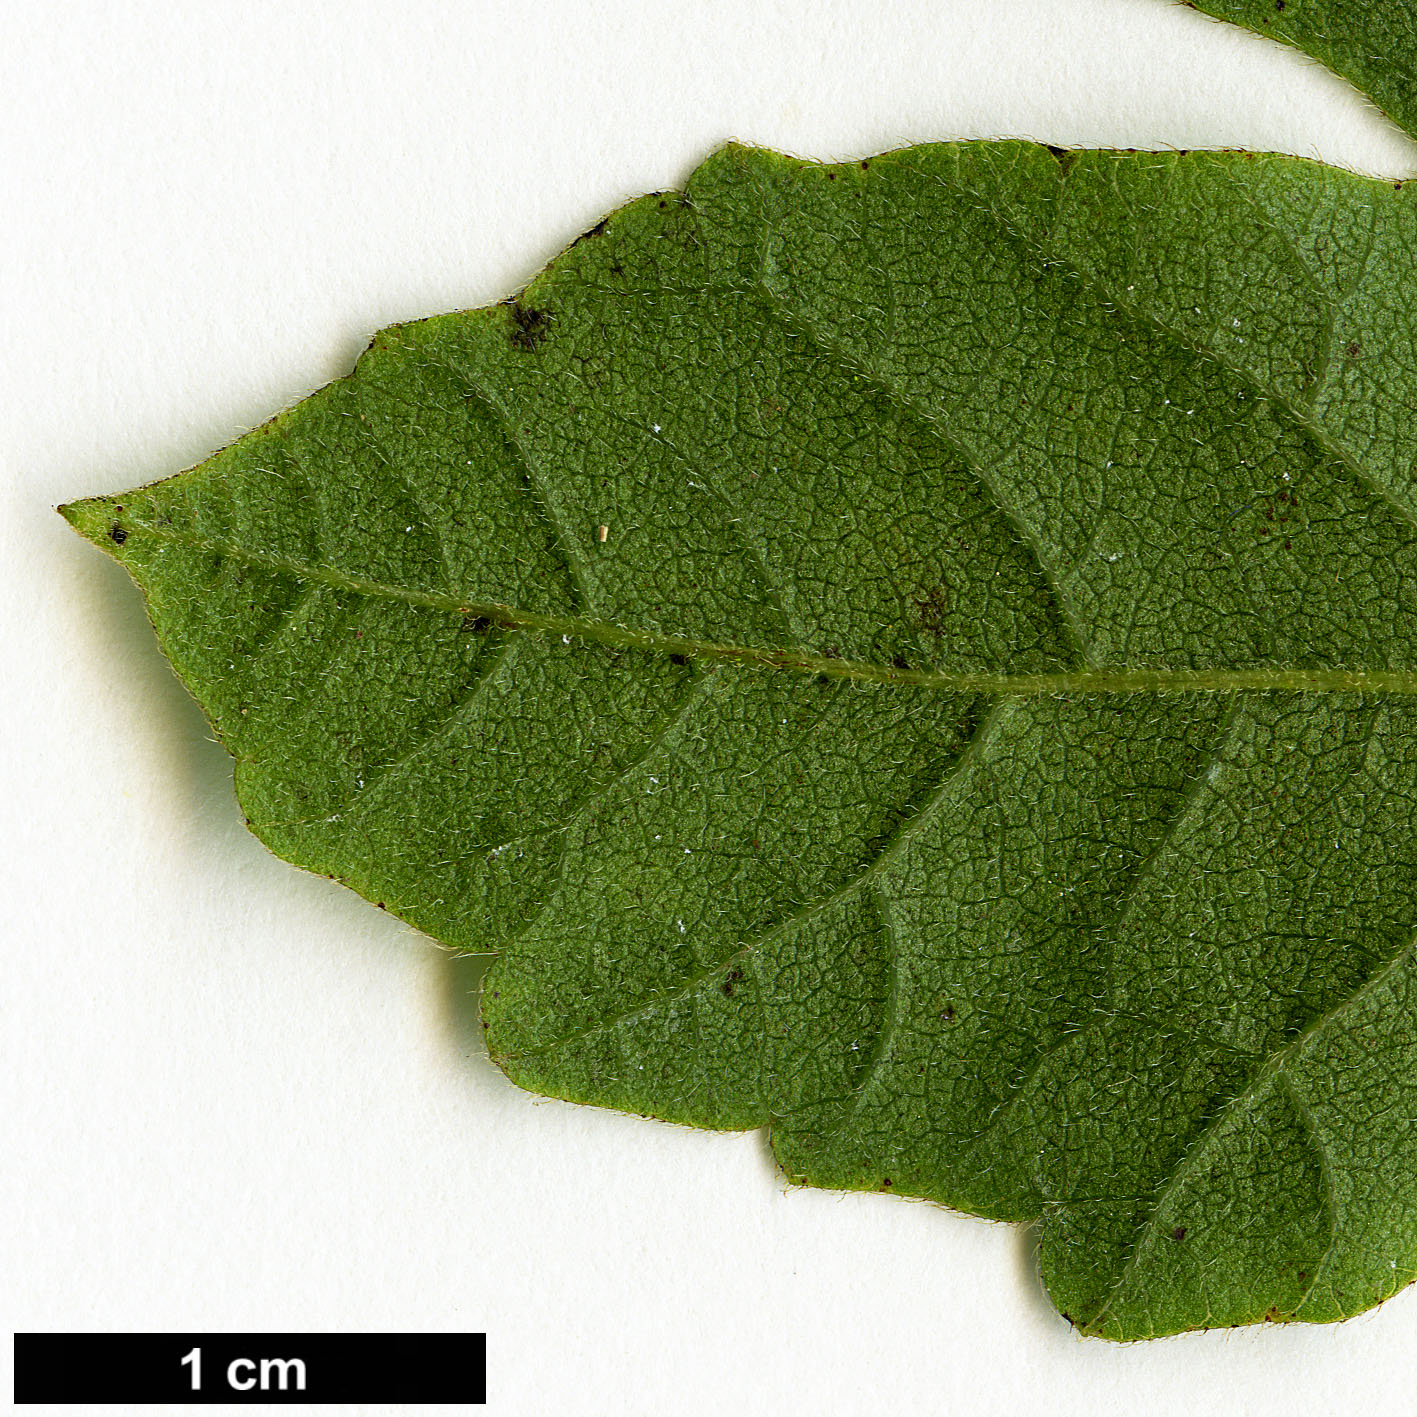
(236, 1096)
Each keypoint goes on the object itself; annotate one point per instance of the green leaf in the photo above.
(920, 655)
(1373, 43)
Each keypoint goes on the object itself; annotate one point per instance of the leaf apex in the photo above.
(97, 519)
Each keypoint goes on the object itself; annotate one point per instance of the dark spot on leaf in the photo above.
(476, 624)
(948, 1013)
(118, 533)
(900, 662)
(529, 326)
(593, 232)
(1354, 350)
(886, 1183)
(679, 659)
(1179, 1233)
(933, 609)
(730, 979)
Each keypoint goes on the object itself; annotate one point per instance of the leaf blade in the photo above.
(1372, 44)
(861, 779)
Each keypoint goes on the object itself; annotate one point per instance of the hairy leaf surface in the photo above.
(918, 654)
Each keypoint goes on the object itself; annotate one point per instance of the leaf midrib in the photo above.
(1103, 680)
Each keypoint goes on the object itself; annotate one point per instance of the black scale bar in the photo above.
(99, 1368)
